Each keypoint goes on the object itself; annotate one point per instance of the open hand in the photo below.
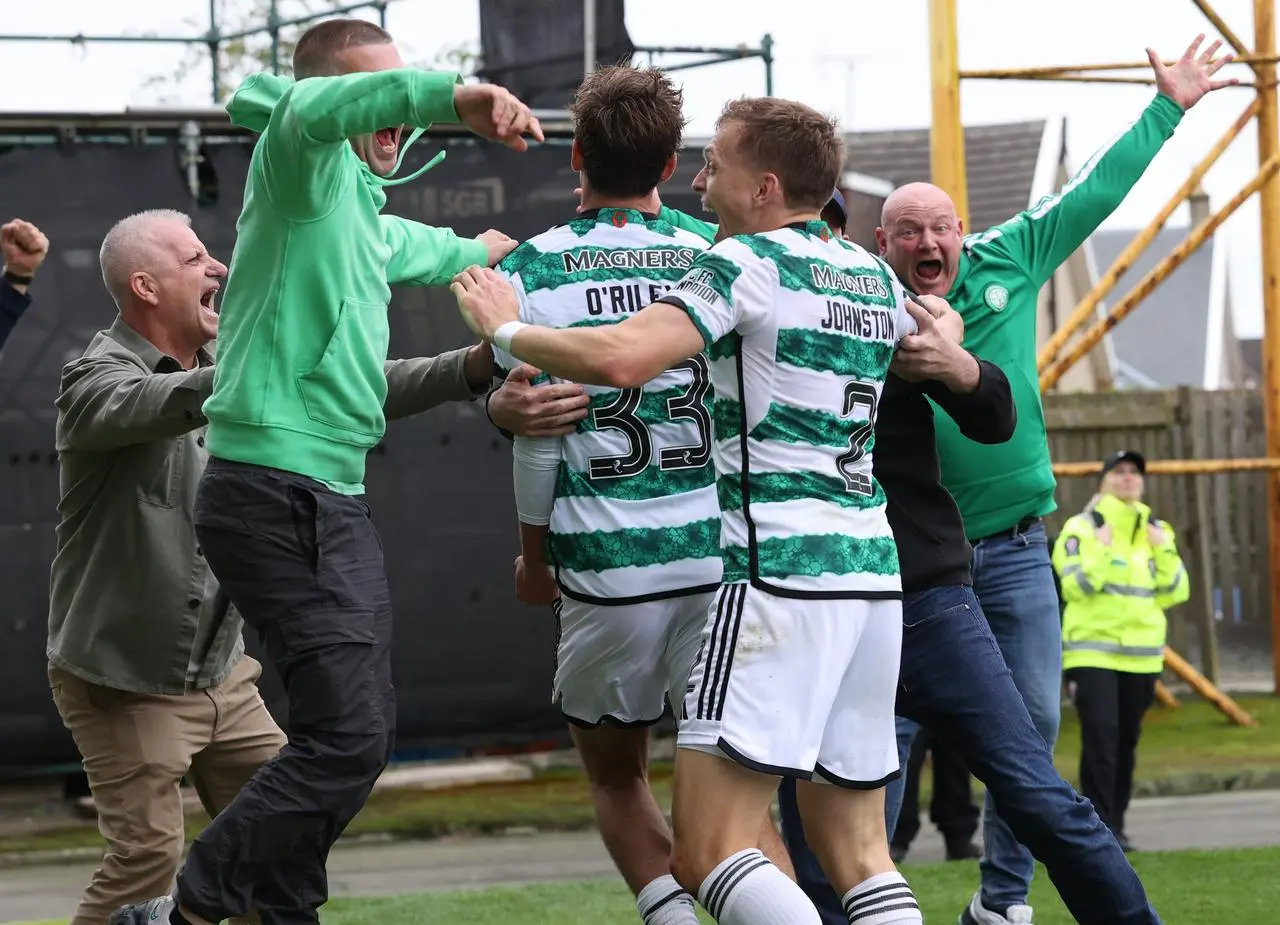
(499, 245)
(494, 113)
(534, 583)
(1190, 77)
(485, 299)
(537, 411)
(23, 247)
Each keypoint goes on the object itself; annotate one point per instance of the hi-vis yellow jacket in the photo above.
(1116, 594)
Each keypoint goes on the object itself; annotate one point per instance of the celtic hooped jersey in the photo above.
(635, 514)
(800, 330)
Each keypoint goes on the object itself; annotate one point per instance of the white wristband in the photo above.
(502, 336)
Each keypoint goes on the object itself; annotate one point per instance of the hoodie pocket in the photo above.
(346, 389)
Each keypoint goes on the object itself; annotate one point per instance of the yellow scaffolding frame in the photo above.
(947, 161)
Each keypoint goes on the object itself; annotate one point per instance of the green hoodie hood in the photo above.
(256, 98)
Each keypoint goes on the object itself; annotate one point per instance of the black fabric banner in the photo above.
(473, 665)
(535, 48)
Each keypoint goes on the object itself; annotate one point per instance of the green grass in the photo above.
(1187, 888)
(1190, 749)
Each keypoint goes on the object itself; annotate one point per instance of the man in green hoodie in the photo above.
(297, 403)
(993, 280)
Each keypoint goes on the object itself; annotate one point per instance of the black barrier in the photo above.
(473, 665)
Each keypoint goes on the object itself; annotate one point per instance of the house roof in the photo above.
(1001, 162)
(1251, 353)
(1162, 342)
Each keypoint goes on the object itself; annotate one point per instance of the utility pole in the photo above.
(588, 37)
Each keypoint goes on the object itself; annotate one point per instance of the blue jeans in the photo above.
(954, 682)
(906, 731)
(1013, 578)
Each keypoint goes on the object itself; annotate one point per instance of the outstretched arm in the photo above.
(422, 383)
(423, 255)
(303, 162)
(105, 404)
(1045, 235)
(624, 355)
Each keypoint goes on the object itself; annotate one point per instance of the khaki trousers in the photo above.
(137, 748)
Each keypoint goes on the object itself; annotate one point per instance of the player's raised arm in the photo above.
(624, 355)
(353, 88)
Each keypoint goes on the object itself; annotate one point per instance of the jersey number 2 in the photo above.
(621, 415)
(857, 395)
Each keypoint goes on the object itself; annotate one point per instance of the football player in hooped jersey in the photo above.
(625, 507)
(798, 666)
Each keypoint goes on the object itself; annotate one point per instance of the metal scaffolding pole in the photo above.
(1159, 273)
(588, 37)
(946, 136)
(1220, 24)
(214, 39)
(1264, 26)
(1049, 72)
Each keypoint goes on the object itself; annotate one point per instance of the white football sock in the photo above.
(746, 889)
(884, 899)
(665, 902)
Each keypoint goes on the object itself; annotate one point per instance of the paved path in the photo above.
(1230, 820)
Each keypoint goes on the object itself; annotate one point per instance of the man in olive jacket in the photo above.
(146, 657)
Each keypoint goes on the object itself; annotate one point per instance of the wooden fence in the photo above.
(1221, 520)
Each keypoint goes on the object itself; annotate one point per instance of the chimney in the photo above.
(1199, 203)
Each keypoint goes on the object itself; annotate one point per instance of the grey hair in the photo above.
(124, 249)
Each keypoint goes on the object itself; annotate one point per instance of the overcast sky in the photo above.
(867, 63)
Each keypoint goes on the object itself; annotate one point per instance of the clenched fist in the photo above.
(23, 247)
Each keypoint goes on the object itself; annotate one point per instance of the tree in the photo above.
(463, 57)
(247, 54)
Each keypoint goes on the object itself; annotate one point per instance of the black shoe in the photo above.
(897, 852)
(152, 912)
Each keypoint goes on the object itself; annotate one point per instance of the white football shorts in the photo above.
(622, 663)
(800, 688)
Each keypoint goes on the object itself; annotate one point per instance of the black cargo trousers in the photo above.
(304, 567)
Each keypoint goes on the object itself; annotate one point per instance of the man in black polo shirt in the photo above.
(953, 679)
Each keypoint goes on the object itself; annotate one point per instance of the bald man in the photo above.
(146, 658)
(993, 280)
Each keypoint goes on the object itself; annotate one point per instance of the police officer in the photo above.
(1120, 570)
